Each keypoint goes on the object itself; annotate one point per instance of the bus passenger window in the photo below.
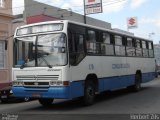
(107, 46)
(79, 43)
(106, 38)
(151, 53)
(119, 48)
(91, 42)
(138, 48)
(130, 49)
(145, 50)
(77, 53)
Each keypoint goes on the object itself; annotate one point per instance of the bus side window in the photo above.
(71, 46)
(80, 48)
(145, 49)
(130, 49)
(119, 47)
(138, 48)
(76, 48)
(79, 43)
(150, 46)
(107, 47)
(91, 42)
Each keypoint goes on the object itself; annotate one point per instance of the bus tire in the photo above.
(46, 102)
(89, 93)
(137, 85)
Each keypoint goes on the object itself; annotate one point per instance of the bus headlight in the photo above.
(59, 83)
(17, 83)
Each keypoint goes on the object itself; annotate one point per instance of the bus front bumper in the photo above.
(51, 92)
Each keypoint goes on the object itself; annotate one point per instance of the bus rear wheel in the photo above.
(46, 102)
(89, 93)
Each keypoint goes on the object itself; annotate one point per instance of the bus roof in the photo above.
(85, 25)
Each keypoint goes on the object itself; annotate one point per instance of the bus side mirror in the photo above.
(6, 44)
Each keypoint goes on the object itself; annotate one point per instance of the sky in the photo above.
(115, 12)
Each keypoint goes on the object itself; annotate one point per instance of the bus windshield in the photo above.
(40, 51)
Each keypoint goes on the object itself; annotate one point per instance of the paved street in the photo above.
(117, 102)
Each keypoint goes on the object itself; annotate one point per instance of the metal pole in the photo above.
(84, 13)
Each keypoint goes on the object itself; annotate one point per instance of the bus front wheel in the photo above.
(46, 102)
(89, 93)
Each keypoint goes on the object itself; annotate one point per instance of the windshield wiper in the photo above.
(40, 56)
(24, 64)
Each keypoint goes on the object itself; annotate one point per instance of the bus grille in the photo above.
(36, 84)
(37, 77)
(41, 81)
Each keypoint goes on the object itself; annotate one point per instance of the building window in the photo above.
(2, 3)
(2, 54)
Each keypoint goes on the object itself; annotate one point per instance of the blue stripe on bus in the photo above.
(146, 77)
(118, 82)
(51, 92)
(76, 89)
(113, 83)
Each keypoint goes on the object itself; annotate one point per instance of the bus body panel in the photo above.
(114, 72)
(79, 73)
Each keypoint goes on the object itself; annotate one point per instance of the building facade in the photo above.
(34, 8)
(5, 44)
(39, 12)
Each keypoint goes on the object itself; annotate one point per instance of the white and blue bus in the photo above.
(66, 60)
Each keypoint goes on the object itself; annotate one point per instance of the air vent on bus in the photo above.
(37, 77)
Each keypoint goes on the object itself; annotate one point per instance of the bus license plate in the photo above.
(36, 95)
